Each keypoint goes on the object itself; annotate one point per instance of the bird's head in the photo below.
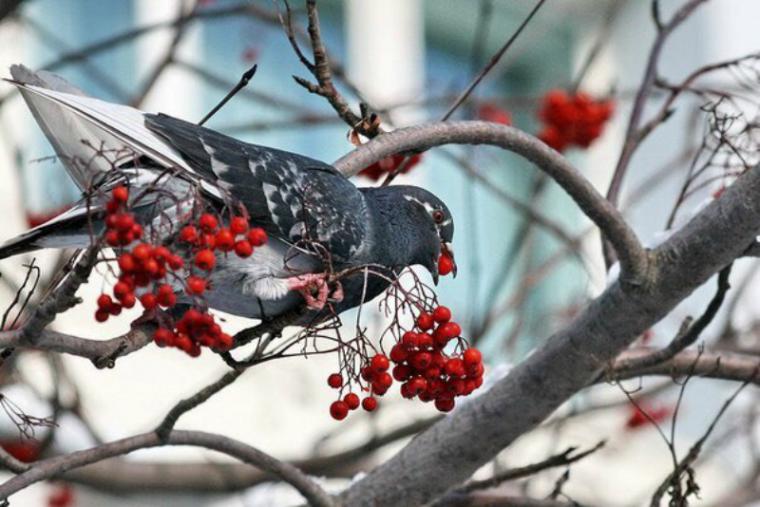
(437, 228)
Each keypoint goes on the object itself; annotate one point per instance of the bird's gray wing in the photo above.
(291, 196)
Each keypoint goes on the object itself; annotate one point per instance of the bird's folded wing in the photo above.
(293, 196)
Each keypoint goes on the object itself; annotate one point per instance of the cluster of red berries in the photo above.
(389, 165)
(572, 120)
(376, 373)
(194, 330)
(120, 224)
(426, 370)
(146, 267)
(422, 366)
(142, 266)
(206, 237)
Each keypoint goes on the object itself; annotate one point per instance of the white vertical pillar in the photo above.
(386, 51)
(176, 92)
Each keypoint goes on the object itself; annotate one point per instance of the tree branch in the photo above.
(450, 451)
(633, 258)
(567, 457)
(709, 364)
(685, 337)
(54, 467)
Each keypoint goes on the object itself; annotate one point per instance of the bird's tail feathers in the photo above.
(68, 230)
(89, 135)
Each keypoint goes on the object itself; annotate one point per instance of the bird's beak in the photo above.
(448, 250)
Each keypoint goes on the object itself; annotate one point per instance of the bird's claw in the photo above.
(310, 283)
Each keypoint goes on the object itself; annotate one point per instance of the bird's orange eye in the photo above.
(438, 216)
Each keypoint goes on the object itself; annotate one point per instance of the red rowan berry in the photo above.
(112, 238)
(101, 315)
(196, 285)
(104, 301)
(380, 363)
(257, 236)
(425, 321)
(148, 301)
(369, 404)
(398, 354)
(421, 360)
(335, 380)
(472, 357)
(445, 265)
(188, 234)
(243, 248)
(441, 314)
(352, 400)
(141, 252)
(165, 295)
(205, 260)
(120, 194)
(176, 262)
(129, 300)
(224, 240)
(238, 225)
(208, 222)
(444, 404)
(401, 372)
(163, 337)
(338, 410)
(410, 339)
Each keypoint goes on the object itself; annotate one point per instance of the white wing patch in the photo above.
(219, 167)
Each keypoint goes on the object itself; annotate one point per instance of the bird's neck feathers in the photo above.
(399, 227)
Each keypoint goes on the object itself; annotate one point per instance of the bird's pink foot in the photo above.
(314, 289)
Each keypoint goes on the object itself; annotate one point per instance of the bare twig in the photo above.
(167, 425)
(244, 79)
(492, 62)
(566, 457)
(632, 136)
(673, 480)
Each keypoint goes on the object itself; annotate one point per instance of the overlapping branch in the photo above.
(54, 467)
(633, 257)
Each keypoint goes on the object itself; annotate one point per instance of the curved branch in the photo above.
(54, 467)
(633, 257)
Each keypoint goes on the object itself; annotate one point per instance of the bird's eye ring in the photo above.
(438, 216)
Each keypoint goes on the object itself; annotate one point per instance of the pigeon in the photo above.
(371, 233)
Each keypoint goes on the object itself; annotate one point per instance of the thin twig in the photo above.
(491, 63)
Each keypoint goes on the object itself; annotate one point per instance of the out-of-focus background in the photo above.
(409, 59)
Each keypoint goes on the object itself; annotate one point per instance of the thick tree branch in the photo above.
(54, 467)
(449, 452)
(633, 258)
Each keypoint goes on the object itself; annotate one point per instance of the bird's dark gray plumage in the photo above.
(299, 201)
